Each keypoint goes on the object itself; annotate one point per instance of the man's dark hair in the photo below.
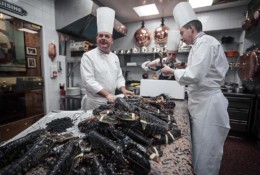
(196, 23)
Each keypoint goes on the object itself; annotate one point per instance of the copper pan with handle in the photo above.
(248, 66)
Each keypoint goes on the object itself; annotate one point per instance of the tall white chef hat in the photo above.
(173, 40)
(105, 19)
(183, 13)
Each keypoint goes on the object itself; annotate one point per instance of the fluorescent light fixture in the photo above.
(200, 3)
(27, 30)
(146, 10)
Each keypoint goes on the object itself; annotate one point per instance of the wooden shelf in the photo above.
(140, 53)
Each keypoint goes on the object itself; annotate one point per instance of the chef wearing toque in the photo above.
(206, 69)
(173, 42)
(100, 68)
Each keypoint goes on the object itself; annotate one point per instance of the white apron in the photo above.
(207, 67)
(210, 127)
(93, 102)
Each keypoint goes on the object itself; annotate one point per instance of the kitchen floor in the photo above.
(241, 157)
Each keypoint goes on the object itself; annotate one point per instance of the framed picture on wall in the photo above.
(31, 62)
(31, 51)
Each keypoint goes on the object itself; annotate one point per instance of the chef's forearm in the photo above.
(103, 93)
(172, 71)
(144, 65)
(125, 91)
(122, 89)
(110, 97)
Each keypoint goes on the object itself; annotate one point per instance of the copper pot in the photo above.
(142, 36)
(248, 66)
(232, 53)
(253, 21)
(52, 51)
(246, 24)
(257, 15)
(161, 35)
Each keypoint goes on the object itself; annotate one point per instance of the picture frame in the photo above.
(31, 51)
(31, 62)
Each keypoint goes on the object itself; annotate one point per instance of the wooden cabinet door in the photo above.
(34, 102)
(11, 129)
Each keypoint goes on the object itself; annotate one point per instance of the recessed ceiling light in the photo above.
(200, 3)
(27, 30)
(146, 10)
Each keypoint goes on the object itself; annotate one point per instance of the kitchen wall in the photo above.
(218, 23)
(217, 20)
(42, 12)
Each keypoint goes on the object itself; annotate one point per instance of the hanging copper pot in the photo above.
(257, 15)
(142, 36)
(248, 66)
(52, 51)
(161, 34)
(246, 24)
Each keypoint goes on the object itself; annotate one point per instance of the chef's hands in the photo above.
(154, 63)
(167, 71)
(126, 92)
(181, 65)
(111, 98)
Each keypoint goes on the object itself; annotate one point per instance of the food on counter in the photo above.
(119, 138)
(59, 125)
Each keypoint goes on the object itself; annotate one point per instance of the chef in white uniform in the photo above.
(100, 68)
(173, 42)
(206, 69)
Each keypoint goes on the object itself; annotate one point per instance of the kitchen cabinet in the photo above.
(9, 130)
(241, 112)
(20, 105)
(256, 125)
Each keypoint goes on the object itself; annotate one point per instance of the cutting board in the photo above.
(156, 87)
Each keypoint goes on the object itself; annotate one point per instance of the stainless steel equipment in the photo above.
(82, 21)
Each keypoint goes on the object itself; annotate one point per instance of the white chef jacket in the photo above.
(206, 69)
(100, 71)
